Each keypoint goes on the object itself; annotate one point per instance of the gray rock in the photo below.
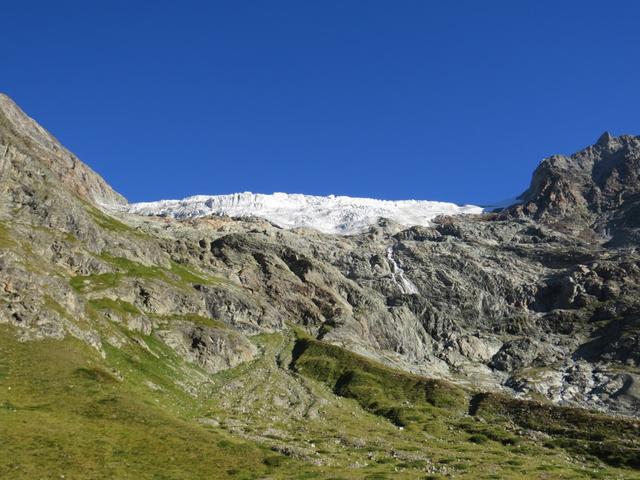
(213, 349)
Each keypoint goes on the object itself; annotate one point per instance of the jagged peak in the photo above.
(587, 191)
(612, 142)
(605, 139)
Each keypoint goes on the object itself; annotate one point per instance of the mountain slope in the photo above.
(213, 347)
(19, 134)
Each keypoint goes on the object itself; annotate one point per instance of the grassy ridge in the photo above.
(66, 410)
(403, 398)
(179, 276)
(613, 440)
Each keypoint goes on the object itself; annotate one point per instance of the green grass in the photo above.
(6, 241)
(118, 306)
(482, 432)
(192, 318)
(63, 414)
(66, 410)
(189, 276)
(178, 276)
(615, 440)
(405, 399)
(51, 304)
(96, 282)
(439, 409)
(134, 269)
(108, 222)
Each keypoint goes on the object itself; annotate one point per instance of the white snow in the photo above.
(331, 214)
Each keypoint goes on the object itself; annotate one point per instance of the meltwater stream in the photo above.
(397, 274)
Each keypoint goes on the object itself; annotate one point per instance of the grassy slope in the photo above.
(493, 442)
(62, 412)
(404, 399)
(614, 440)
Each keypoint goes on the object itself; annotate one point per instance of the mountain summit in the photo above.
(206, 346)
(593, 192)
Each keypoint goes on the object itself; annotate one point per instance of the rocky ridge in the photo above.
(593, 193)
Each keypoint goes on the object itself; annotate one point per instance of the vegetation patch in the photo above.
(118, 306)
(192, 318)
(403, 398)
(108, 222)
(94, 374)
(94, 426)
(482, 432)
(92, 283)
(178, 276)
(134, 269)
(5, 237)
(51, 304)
(189, 276)
(615, 440)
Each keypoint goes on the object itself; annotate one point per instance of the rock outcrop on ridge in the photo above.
(594, 193)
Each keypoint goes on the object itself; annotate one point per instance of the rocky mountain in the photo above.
(21, 132)
(594, 193)
(492, 345)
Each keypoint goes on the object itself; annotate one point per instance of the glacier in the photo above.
(328, 214)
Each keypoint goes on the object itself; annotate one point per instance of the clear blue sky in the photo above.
(443, 100)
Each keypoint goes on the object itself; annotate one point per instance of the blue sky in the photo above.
(439, 100)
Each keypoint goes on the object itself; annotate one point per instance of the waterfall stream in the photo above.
(397, 274)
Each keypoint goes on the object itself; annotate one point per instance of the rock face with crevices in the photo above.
(214, 349)
(541, 299)
(594, 193)
(20, 134)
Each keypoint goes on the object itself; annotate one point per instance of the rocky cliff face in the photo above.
(541, 300)
(19, 134)
(594, 193)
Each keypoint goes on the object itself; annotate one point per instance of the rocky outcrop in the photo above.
(20, 133)
(594, 193)
(214, 349)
